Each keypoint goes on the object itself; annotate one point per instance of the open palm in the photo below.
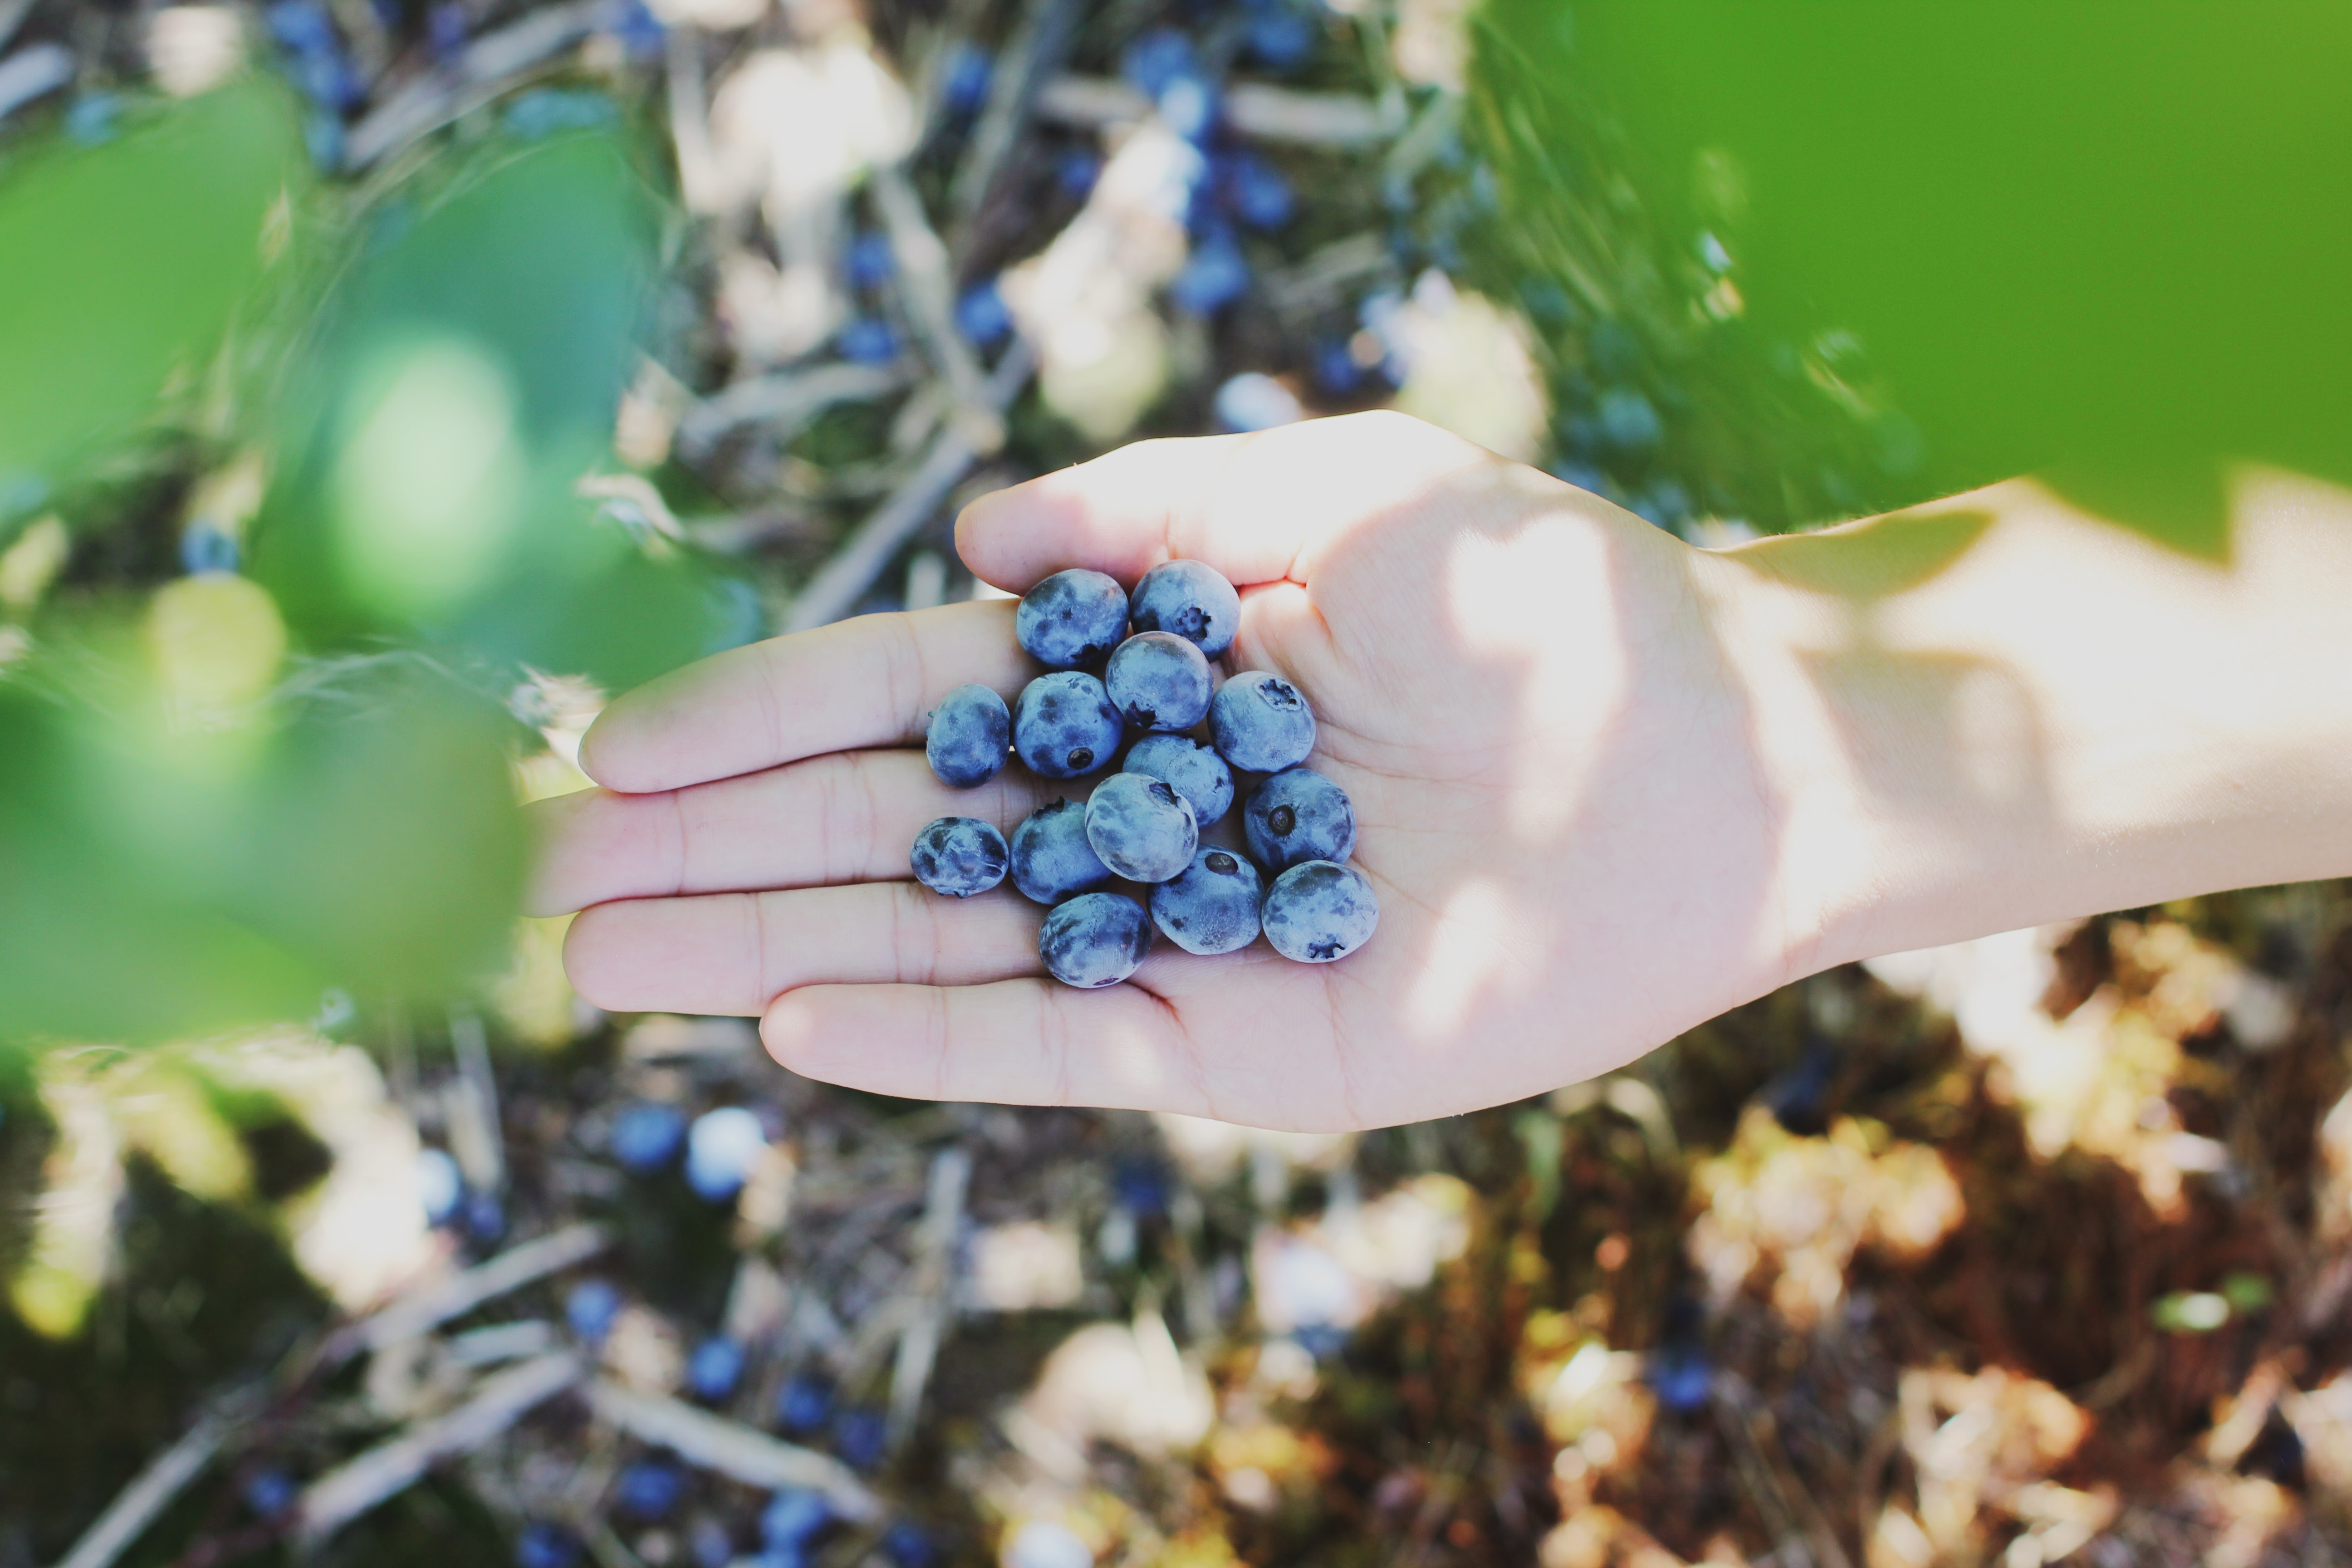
(1554, 770)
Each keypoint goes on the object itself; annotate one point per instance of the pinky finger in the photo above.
(1016, 1042)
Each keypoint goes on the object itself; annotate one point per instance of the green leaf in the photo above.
(122, 264)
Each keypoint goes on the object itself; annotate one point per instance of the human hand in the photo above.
(1555, 770)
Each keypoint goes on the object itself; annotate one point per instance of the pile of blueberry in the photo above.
(1143, 824)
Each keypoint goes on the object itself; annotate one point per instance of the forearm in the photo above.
(1999, 710)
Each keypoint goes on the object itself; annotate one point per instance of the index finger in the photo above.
(867, 681)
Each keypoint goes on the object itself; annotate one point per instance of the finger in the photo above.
(1254, 507)
(730, 954)
(851, 816)
(1026, 1041)
(868, 681)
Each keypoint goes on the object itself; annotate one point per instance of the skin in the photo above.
(1608, 785)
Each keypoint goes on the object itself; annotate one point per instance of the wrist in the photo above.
(2000, 710)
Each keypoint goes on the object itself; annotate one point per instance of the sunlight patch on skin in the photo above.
(1540, 608)
(1467, 960)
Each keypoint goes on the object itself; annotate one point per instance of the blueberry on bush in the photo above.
(1071, 618)
(1260, 722)
(803, 1403)
(1212, 906)
(960, 856)
(714, 1369)
(1298, 815)
(590, 1306)
(970, 732)
(721, 1147)
(1191, 600)
(1194, 771)
(1157, 680)
(1065, 727)
(1051, 857)
(648, 1490)
(647, 1135)
(1095, 940)
(1141, 828)
(1320, 911)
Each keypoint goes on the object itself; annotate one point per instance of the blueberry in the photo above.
(648, 1490)
(1141, 828)
(907, 1545)
(1212, 906)
(1256, 192)
(1280, 39)
(1193, 770)
(867, 341)
(871, 261)
(1158, 58)
(1159, 680)
(1629, 420)
(969, 734)
(1063, 726)
(714, 1369)
(1681, 1377)
(960, 856)
(803, 1403)
(1298, 815)
(1260, 722)
(271, 1493)
(544, 1545)
(205, 548)
(1214, 276)
(1254, 401)
(793, 1518)
(1071, 618)
(647, 1135)
(721, 1147)
(964, 84)
(1190, 599)
(484, 1217)
(590, 1307)
(1052, 860)
(439, 1186)
(1320, 911)
(1095, 940)
(1076, 170)
(983, 316)
(1141, 1185)
(859, 1438)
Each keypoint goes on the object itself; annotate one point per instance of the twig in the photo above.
(788, 400)
(510, 1271)
(927, 289)
(836, 588)
(474, 1135)
(478, 76)
(1037, 48)
(919, 1346)
(1267, 113)
(731, 1448)
(344, 1493)
(153, 1490)
(31, 72)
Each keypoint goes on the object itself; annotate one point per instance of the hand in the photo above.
(1554, 767)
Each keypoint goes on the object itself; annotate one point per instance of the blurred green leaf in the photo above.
(156, 883)
(466, 377)
(122, 264)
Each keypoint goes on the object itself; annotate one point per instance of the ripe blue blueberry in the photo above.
(1052, 860)
(1298, 815)
(590, 1306)
(1260, 722)
(647, 1135)
(721, 1147)
(440, 1188)
(960, 856)
(1095, 940)
(1141, 828)
(544, 1545)
(1159, 680)
(969, 734)
(1191, 600)
(1071, 618)
(859, 1438)
(1212, 905)
(803, 1403)
(1193, 770)
(1320, 911)
(714, 1369)
(793, 1518)
(648, 1490)
(1064, 725)
(907, 1545)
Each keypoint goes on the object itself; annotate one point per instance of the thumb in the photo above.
(1256, 508)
